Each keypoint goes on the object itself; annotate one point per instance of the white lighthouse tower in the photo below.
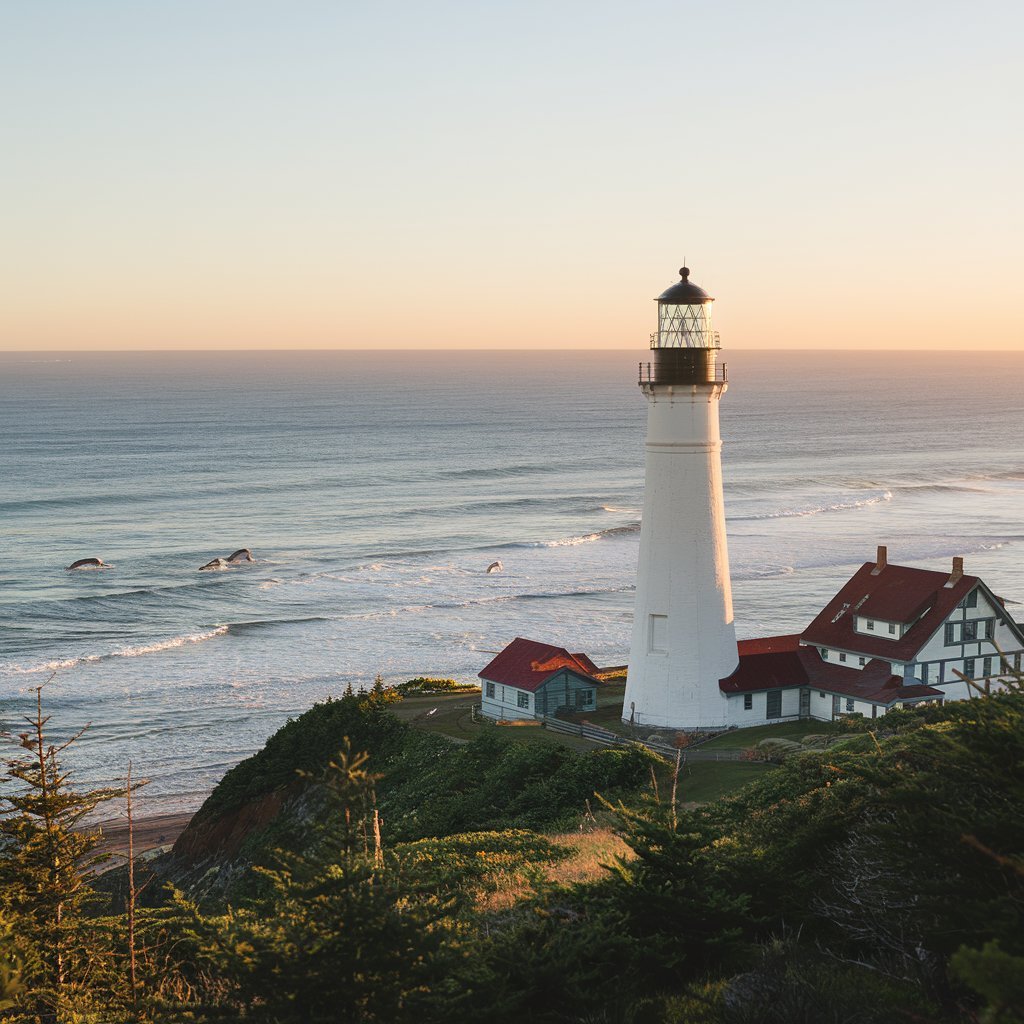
(684, 639)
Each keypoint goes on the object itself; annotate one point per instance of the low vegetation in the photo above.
(871, 876)
(428, 685)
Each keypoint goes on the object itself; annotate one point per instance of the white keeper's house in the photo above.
(893, 636)
(529, 679)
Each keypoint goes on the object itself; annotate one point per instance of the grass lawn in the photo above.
(451, 713)
(453, 718)
(740, 739)
(704, 781)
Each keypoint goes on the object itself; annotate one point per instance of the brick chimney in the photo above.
(957, 573)
(881, 560)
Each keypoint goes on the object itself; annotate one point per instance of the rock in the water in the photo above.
(88, 563)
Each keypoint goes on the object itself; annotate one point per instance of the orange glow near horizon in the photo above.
(471, 176)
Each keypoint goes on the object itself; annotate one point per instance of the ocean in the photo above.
(375, 488)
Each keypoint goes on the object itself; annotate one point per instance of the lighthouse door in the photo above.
(805, 703)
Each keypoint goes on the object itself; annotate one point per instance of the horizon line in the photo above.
(237, 351)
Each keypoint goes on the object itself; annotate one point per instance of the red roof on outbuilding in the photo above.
(587, 665)
(896, 593)
(528, 664)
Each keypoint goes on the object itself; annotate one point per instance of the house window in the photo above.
(657, 639)
(986, 667)
(523, 699)
(950, 637)
(924, 673)
(970, 631)
(849, 704)
(1016, 662)
(748, 702)
(583, 698)
(774, 704)
(990, 625)
(489, 691)
(871, 624)
(860, 661)
(824, 654)
(821, 693)
(970, 601)
(892, 627)
(969, 667)
(842, 656)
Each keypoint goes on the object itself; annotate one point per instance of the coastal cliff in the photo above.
(426, 786)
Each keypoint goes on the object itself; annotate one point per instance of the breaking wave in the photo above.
(941, 488)
(814, 510)
(124, 652)
(589, 538)
(762, 572)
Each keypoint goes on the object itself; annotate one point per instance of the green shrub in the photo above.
(428, 684)
(777, 749)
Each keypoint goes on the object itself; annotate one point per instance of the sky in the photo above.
(239, 174)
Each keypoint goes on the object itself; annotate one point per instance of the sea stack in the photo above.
(684, 637)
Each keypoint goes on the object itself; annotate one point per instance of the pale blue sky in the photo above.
(258, 174)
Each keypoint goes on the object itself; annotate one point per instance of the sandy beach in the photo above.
(155, 833)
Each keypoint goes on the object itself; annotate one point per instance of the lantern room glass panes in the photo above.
(685, 327)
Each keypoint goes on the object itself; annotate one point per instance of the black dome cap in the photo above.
(684, 292)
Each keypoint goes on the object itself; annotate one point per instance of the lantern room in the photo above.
(684, 316)
(685, 344)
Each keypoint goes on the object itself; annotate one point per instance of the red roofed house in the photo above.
(891, 637)
(529, 679)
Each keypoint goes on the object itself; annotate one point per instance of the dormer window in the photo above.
(876, 626)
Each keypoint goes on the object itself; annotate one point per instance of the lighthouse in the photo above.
(684, 638)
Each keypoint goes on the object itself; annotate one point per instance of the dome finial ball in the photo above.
(684, 272)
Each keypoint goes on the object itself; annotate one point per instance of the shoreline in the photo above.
(153, 834)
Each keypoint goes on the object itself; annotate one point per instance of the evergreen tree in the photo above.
(44, 858)
(341, 934)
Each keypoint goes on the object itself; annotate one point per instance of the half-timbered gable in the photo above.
(893, 636)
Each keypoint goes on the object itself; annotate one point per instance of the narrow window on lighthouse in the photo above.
(658, 640)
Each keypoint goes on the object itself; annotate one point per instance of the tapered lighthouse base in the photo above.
(684, 637)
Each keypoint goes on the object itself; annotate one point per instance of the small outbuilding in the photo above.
(529, 679)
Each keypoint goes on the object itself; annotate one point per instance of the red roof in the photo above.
(897, 593)
(528, 664)
(766, 664)
(586, 664)
(777, 662)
